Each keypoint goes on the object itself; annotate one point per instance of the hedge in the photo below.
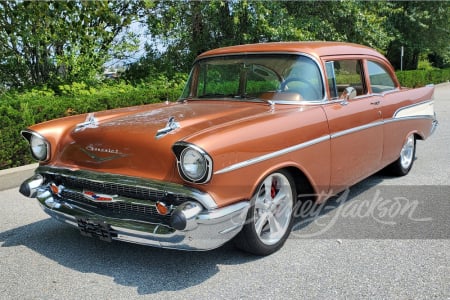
(418, 78)
(20, 110)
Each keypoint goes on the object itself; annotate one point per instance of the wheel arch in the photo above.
(418, 136)
(303, 183)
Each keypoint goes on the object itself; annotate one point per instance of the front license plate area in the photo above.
(95, 229)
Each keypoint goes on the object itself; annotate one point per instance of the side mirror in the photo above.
(348, 94)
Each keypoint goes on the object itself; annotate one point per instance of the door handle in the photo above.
(375, 102)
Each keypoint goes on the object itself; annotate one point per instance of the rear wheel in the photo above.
(269, 219)
(404, 163)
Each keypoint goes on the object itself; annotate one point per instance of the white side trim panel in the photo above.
(416, 110)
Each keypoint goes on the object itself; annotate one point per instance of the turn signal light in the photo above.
(54, 188)
(162, 208)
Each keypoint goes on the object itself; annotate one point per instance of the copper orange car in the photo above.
(256, 127)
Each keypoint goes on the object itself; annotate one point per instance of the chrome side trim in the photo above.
(169, 187)
(378, 123)
(272, 155)
(408, 118)
(356, 129)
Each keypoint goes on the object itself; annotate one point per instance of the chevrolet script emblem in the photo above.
(90, 151)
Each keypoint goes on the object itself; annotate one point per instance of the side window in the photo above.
(331, 79)
(343, 74)
(380, 80)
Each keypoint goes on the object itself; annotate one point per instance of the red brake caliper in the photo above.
(273, 190)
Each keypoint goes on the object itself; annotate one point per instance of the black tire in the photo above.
(268, 212)
(405, 161)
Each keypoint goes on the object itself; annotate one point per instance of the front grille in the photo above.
(123, 209)
(129, 191)
(113, 188)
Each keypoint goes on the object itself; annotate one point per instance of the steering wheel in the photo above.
(311, 89)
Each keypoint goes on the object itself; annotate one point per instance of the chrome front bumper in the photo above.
(203, 229)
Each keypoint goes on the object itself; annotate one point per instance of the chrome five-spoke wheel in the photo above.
(269, 220)
(407, 153)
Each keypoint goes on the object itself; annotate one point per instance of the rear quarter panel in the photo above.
(404, 112)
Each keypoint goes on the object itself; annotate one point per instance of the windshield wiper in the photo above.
(254, 99)
(215, 95)
(232, 96)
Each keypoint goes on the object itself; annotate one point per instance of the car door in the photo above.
(355, 124)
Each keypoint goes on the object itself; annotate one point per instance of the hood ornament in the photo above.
(90, 122)
(170, 126)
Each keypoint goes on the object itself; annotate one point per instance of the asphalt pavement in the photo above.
(383, 238)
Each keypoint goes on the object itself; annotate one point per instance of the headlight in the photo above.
(39, 146)
(194, 164)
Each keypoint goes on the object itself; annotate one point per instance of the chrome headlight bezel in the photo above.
(188, 155)
(39, 146)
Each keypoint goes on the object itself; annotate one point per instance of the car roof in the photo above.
(317, 49)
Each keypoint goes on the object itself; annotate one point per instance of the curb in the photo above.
(11, 178)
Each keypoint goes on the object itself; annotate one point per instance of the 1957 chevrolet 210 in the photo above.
(256, 127)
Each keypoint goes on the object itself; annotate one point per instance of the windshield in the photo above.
(255, 76)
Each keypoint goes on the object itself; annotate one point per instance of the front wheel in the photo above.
(270, 217)
(404, 163)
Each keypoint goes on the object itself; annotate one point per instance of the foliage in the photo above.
(187, 28)
(59, 42)
(422, 27)
(52, 42)
(417, 78)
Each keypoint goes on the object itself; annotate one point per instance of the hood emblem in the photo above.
(90, 122)
(170, 126)
(98, 197)
(90, 149)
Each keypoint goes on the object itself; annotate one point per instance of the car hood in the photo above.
(125, 141)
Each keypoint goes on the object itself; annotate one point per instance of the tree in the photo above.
(187, 28)
(55, 41)
(422, 27)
